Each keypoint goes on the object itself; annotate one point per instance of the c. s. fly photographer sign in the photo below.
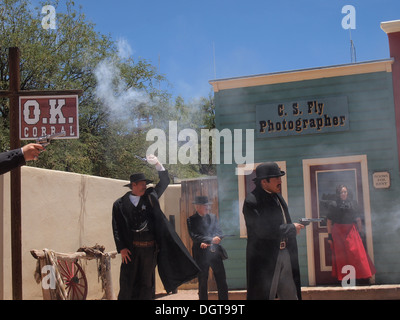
(302, 117)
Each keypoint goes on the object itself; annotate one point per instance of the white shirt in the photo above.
(134, 199)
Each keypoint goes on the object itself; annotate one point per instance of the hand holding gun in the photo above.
(223, 236)
(151, 159)
(45, 140)
(227, 236)
(206, 245)
(212, 245)
(140, 158)
(307, 221)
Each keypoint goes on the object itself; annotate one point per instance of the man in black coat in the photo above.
(206, 234)
(144, 237)
(18, 157)
(272, 265)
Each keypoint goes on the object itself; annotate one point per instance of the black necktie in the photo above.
(275, 197)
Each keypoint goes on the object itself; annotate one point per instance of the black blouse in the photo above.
(343, 212)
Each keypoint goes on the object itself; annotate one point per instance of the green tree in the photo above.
(69, 58)
(66, 59)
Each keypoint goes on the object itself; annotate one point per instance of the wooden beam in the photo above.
(25, 93)
(47, 93)
(16, 244)
(72, 256)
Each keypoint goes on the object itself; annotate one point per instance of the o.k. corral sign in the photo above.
(310, 116)
(47, 115)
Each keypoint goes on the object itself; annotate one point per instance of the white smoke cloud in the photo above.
(124, 49)
(119, 99)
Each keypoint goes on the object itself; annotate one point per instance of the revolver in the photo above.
(45, 140)
(140, 158)
(213, 247)
(307, 221)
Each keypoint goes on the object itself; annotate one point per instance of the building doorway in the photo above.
(321, 177)
(190, 188)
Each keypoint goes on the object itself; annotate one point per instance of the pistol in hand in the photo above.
(45, 140)
(307, 221)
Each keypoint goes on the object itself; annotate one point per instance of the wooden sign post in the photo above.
(14, 93)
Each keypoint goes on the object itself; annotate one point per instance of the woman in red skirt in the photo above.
(344, 224)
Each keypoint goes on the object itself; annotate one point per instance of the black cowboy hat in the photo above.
(268, 170)
(201, 200)
(136, 177)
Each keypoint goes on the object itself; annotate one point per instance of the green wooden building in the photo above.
(323, 126)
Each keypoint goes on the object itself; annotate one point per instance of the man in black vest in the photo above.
(144, 237)
(206, 234)
(272, 264)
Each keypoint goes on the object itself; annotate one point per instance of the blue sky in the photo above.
(249, 37)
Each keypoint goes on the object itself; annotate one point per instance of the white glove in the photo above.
(152, 159)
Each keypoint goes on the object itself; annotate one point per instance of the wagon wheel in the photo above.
(74, 278)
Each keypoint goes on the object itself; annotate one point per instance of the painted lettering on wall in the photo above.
(302, 117)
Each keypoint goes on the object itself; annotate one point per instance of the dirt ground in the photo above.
(191, 294)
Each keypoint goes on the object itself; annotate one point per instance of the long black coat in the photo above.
(11, 159)
(175, 264)
(265, 229)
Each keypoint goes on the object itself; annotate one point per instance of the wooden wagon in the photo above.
(63, 278)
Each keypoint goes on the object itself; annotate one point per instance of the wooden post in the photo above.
(16, 258)
(13, 94)
(106, 277)
(191, 188)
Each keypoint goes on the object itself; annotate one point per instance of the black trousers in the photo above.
(206, 259)
(136, 277)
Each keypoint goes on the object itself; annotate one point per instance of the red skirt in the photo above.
(348, 249)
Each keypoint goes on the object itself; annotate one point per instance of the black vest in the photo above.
(140, 219)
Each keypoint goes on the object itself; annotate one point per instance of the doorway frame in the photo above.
(307, 163)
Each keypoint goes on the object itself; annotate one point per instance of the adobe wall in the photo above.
(62, 212)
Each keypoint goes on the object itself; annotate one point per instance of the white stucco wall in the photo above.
(62, 212)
